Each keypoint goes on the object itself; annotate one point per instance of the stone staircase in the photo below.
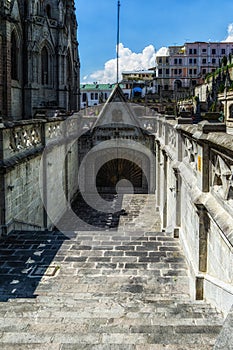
(105, 290)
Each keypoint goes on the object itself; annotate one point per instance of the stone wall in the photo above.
(38, 174)
(195, 199)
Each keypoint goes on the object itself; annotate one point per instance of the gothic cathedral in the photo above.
(39, 61)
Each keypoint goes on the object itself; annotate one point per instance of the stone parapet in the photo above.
(32, 152)
(195, 196)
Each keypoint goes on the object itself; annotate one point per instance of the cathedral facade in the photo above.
(39, 61)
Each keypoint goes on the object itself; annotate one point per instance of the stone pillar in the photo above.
(178, 202)
(164, 217)
(158, 175)
(66, 167)
(2, 188)
(179, 144)
(1, 75)
(199, 288)
(204, 225)
(44, 176)
(203, 166)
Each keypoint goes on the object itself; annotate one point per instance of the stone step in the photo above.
(108, 312)
(52, 346)
(124, 300)
(59, 323)
(163, 335)
(112, 290)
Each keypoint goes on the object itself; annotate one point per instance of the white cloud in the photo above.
(128, 60)
(230, 33)
(163, 51)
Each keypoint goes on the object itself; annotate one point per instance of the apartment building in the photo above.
(140, 80)
(186, 66)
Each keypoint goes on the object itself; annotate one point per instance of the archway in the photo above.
(177, 84)
(107, 164)
(124, 171)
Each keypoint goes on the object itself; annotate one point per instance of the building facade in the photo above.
(186, 66)
(95, 94)
(39, 62)
(139, 79)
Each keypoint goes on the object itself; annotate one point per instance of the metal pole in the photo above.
(118, 38)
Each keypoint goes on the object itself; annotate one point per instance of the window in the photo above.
(190, 61)
(180, 60)
(204, 71)
(190, 71)
(194, 71)
(160, 59)
(204, 60)
(84, 97)
(167, 71)
(194, 51)
(223, 51)
(175, 61)
(96, 96)
(44, 66)
(68, 71)
(48, 11)
(190, 51)
(92, 96)
(160, 71)
(195, 61)
(180, 71)
(175, 71)
(213, 51)
(14, 57)
(213, 60)
(37, 8)
(203, 50)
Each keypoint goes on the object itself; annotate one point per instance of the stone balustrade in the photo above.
(31, 156)
(195, 198)
(21, 137)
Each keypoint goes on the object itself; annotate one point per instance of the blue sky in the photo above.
(144, 23)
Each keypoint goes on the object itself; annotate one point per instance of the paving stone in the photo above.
(126, 288)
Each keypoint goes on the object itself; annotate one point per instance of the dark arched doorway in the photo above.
(119, 169)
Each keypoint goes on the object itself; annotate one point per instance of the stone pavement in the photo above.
(118, 288)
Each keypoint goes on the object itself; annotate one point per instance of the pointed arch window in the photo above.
(14, 57)
(48, 11)
(37, 8)
(44, 66)
(69, 70)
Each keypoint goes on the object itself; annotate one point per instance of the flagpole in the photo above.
(118, 38)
